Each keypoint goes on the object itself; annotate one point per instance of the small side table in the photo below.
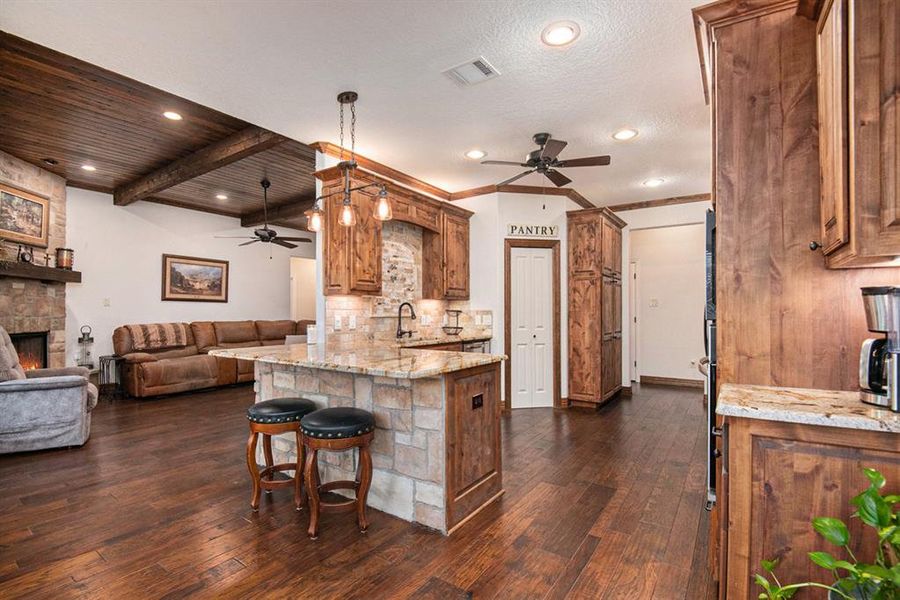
(110, 379)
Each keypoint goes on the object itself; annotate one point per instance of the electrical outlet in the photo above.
(337, 322)
(351, 322)
(478, 319)
(425, 319)
(486, 319)
(106, 302)
(654, 303)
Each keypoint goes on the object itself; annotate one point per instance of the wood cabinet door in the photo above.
(584, 337)
(608, 384)
(608, 251)
(336, 246)
(617, 306)
(426, 216)
(584, 245)
(616, 259)
(831, 48)
(365, 246)
(456, 257)
(608, 306)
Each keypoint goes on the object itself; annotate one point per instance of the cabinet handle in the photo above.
(814, 245)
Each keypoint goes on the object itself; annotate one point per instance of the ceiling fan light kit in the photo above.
(347, 216)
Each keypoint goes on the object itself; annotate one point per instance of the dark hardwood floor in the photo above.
(597, 505)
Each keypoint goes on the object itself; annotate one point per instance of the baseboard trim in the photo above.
(626, 390)
(676, 381)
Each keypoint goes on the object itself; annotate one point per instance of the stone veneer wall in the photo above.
(376, 316)
(27, 305)
(408, 447)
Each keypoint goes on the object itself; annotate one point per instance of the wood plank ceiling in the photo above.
(54, 106)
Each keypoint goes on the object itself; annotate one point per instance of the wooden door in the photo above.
(365, 246)
(531, 327)
(456, 257)
(584, 245)
(831, 47)
(584, 337)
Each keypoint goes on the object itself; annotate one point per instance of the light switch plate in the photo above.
(426, 319)
(486, 319)
(337, 322)
(351, 322)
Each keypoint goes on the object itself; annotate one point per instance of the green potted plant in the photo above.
(853, 580)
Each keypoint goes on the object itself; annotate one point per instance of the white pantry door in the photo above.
(531, 326)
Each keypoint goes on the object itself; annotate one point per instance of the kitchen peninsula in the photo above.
(436, 451)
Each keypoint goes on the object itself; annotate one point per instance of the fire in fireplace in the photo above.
(31, 348)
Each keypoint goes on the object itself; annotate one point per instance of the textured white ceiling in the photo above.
(280, 64)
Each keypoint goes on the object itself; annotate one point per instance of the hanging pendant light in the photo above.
(348, 216)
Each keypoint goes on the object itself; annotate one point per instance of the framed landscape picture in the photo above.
(24, 217)
(194, 279)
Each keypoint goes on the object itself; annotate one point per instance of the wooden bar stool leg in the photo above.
(364, 481)
(267, 452)
(312, 487)
(298, 474)
(254, 470)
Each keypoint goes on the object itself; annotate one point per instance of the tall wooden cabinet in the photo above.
(857, 50)
(353, 255)
(595, 305)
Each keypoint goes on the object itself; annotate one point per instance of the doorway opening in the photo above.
(532, 323)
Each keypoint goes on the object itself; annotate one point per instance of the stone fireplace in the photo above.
(32, 305)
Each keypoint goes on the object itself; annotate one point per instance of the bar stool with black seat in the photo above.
(269, 418)
(338, 428)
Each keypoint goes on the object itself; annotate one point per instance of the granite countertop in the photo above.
(366, 359)
(443, 339)
(809, 407)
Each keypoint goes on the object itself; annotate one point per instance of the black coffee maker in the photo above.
(879, 358)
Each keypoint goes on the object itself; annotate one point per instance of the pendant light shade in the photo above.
(347, 217)
(383, 210)
(314, 219)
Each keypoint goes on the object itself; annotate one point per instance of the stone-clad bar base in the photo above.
(407, 451)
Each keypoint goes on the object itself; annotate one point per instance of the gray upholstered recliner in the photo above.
(42, 408)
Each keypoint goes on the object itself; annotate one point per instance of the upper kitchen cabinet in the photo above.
(352, 255)
(445, 257)
(858, 45)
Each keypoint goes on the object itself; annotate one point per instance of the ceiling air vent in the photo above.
(472, 72)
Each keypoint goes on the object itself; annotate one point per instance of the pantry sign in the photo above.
(533, 231)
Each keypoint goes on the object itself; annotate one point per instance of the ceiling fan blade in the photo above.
(558, 178)
(504, 162)
(295, 239)
(552, 148)
(519, 176)
(588, 161)
(248, 243)
(283, 243)
(234, 237)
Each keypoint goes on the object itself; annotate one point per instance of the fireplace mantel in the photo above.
(9, 268)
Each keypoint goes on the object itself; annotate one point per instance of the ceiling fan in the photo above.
(264, 234)
(544, 161)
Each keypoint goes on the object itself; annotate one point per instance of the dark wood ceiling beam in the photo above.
(288, 210)
(233, 148)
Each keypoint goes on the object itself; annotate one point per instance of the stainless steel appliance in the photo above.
(879, 358)
(708, 363)
(481, 347)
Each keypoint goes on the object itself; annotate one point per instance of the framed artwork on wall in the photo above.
(189, 278)
(24, 217)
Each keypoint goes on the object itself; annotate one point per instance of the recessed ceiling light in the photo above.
(561, 33)
(655, 182)
(625, 134)
(90, 168)
(476, 154)
(172, 115)
(221, 197)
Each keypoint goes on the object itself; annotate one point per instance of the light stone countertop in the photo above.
(443, 339)
(808, 407)
(365, 359)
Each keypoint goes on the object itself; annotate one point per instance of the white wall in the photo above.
(119, 251)
(671, 293)
(648, 218)
(493, 214)
(303, 288)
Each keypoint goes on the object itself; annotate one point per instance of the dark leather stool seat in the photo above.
(280, 410)
(337, 422)
(336, 429)
(274, 417)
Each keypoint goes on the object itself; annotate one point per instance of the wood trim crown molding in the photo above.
(661, 202)
(709, 17)
(509, 244)
(571, 194)
(233, 148)
(384, 171)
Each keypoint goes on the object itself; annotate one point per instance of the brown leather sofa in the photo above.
(189, 367)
